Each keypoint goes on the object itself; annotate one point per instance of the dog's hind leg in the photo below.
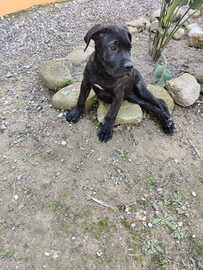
(143, 97)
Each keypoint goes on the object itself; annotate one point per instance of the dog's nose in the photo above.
(128, 65)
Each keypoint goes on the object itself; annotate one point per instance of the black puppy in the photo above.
(110, 73)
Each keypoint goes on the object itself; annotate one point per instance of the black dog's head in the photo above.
(112, 46)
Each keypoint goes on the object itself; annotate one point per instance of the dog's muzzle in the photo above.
(128, 65)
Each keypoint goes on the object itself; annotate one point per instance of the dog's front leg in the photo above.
(75, 113)
(106, 131)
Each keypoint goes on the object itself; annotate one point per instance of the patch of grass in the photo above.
(122, 152)
(8, 254)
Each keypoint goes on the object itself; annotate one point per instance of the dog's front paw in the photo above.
(105, 133)
(73, 115)
(169, 128)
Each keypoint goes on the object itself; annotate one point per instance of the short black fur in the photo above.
(110, 73)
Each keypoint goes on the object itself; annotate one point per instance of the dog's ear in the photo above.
(127, 30)
(93, 34)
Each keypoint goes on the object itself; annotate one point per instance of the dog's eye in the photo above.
(113, 48)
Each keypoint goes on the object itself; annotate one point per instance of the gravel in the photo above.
(54, 30)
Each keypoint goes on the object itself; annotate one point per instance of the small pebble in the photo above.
(60, 115)
(133, 225)
(155, 206)
(16, 197)
(150, 225)
(194, 194)
(70, 146)
(63, 143)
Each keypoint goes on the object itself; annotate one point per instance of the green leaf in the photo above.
(195, 4)
(162, 74)
(156, 221)
(158, 18)
(180, 212)
(169, 224)
(159, 249)
(171, 8)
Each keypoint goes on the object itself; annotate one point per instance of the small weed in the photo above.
(8, 254)
(137, 180)
(132, 207)
(151, 183)
(178, 234)
(94, 189)
(6, 27)
(26, 190)
(166, 220)
(122, 152)
(2, 235)
(153, 245)
(94, 118)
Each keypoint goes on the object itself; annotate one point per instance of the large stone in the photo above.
(139, 24)
(196, 40)
(194, 31)
(154, 25)
(196, 15)
(198, 74)
(193, 25)
(184, 90)
(78, 56)
(67, 98)
(155, 14)
(179, 34)
(129, 113)
(55, 74)
(160, 92)
(132, 30)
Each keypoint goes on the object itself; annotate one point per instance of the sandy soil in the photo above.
(134, 202)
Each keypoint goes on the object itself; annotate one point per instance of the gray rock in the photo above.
(196, 40)
(198, 74)
(139, 24)
(132, 30)
(55, 74)
(193, 25)
(193, 31)
(78, 56)
(161, 93)
(155, 14)
(67, 97)
(154, 25)
(129, 113)
(196, 15)
(179, 34)
(184, 90)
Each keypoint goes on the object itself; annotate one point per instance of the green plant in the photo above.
(165, 220)
(178, 234)
(153, 245)
(162, 74)
(168, 12)
(7, 254)
(122, 152)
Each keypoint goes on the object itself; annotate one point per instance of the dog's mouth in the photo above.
(124, 69)
(119, 72)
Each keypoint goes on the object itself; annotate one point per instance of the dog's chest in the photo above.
(98, 86)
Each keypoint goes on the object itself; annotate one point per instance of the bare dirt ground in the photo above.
(134, 202)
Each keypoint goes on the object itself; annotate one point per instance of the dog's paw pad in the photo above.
(169, 128)
(105, 134)
(72, 116)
